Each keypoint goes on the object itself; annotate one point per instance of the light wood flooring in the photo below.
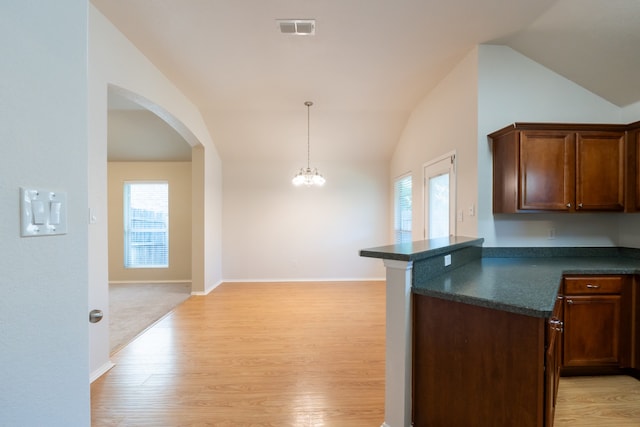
(254, 354)
(608, 401)
(289, 354)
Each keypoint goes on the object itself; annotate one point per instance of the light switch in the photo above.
(39, 212)
(54, 214)
(43, 212)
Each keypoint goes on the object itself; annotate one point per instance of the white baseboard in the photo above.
(377, 279)
(266, 281)
(134, 282)
(207, 290)
(101, 371)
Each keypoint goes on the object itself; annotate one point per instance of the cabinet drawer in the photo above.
(593, 285)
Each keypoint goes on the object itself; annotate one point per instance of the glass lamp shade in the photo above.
(308, 177)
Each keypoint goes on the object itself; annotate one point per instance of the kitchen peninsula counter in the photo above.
(518, 280)
(468, 328)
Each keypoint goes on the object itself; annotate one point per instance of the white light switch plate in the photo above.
(42, 212)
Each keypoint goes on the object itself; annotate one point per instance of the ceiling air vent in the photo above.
(300, 27)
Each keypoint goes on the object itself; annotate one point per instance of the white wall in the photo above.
(444, 121)
(43, 285)
(113, 60)
(631, 113)
(275, 231)
(513, 88)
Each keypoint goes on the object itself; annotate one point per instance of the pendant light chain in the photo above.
(307, 176)
(308, 104)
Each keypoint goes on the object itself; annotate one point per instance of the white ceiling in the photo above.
(368, 65)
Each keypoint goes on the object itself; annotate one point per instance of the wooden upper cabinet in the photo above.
(633, 165)
(559, 167)
(546, 177)
(600, 171)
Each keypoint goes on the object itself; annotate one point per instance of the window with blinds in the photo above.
(402, 208)
(146, 224)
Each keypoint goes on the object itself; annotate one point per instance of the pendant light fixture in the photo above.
(308, 176)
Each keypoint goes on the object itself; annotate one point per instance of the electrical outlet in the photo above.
(447, 260)
(552, 234)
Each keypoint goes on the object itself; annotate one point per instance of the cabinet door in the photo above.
(635, 337)
(600, 171)
(547, 170)
(553, 357)
(591, 331)
(552, 376)
(634, 139)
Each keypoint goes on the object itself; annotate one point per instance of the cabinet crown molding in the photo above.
(603, 127)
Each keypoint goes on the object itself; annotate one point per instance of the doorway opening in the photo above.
(143, 148)
(439, 190)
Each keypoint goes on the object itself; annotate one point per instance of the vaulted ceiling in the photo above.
(369, 63)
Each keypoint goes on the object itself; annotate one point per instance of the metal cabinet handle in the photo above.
(569, 205)
(591, 286)
(569, 301)
(95, 316)
(556, 324)
(579, 205)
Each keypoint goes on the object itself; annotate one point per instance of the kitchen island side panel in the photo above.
(476, 366)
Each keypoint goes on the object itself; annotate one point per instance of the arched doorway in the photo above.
(143, 138)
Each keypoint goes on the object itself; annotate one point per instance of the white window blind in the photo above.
(146, 225)
(402, 208)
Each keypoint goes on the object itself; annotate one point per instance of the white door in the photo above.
(439, 197)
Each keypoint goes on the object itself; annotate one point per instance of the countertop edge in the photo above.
(415, 251)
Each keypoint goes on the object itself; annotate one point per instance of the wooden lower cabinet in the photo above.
(634, 359)
(476, 366)
(597, 324)
(592, 332)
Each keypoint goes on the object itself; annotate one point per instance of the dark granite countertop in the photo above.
(520, 285)
(415, 251)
